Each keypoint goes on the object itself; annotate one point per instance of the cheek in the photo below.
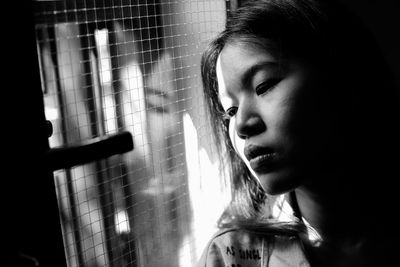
(280, 117)
(292, 113)
(300, 128)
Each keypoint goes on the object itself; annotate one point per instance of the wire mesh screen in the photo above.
(132, 65)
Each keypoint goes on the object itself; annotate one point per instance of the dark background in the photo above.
(383, 20)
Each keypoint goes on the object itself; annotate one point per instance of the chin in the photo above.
(278, 182)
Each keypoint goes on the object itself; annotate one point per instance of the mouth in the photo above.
(261, 159)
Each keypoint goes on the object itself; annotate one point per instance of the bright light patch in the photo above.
(51, 113)
(122, 222)
(105, 74)
(104, 55)
(207, 196)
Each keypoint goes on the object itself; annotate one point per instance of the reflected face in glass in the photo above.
(275, 114)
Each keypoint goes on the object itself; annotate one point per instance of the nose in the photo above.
(248, 122)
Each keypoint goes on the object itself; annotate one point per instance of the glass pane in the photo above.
(125, 65)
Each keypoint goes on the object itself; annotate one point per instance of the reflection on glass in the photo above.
(134, 67)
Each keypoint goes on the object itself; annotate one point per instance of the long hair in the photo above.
(358, 79)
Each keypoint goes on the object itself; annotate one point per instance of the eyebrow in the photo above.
(250, 72)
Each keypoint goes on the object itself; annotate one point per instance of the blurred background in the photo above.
(96, 68)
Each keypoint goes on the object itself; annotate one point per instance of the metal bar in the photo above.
(103, 183)
(64, 138)
(98, 148)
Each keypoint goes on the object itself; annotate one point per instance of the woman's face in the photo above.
(279, 117)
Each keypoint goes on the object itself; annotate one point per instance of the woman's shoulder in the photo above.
(240, 247)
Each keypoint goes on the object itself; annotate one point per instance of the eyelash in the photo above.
(229, 113)
(267, 86)
(260, 89)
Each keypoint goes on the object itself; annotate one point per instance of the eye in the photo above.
(267, 85)
(230, 112)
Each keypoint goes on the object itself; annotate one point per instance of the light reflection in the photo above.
(122, 222)
(105, 74)
(206, 190)
(51, 113)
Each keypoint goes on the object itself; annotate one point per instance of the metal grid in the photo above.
(124, 65)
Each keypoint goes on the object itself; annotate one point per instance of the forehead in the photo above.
(240, 54)
(239, 61)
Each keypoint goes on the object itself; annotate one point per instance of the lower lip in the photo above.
(264, 163)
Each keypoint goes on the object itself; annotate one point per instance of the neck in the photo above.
(341, 242)
(332, 213)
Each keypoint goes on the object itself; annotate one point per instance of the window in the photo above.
(109, 66)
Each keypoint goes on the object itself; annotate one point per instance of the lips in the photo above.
(261, 159)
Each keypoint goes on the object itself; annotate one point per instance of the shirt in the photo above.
(241, 248)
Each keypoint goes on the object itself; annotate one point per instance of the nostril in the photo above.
(250, 127)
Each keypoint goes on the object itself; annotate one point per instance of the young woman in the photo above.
(303, 105)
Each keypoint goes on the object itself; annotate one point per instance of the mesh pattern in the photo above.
(131, 65)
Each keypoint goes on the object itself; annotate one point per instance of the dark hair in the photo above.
(330, 36)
